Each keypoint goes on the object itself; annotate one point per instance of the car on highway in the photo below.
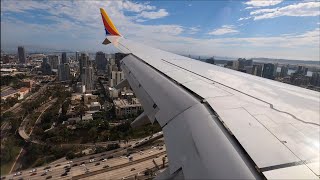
(64, 174)
(67, 166)
(34, 173)
(106, 166)
(97, 164)
(83, 162)
(43, 174)
(69, 162)
(91, 160)
(101, 159)
(104, 160)
(48, 177)
(67, 170)
(33, 170)
(17, 174)
(48, 167)
(57, 165)
(75, 164)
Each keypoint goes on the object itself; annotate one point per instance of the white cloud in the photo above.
(262, 3)
(154, 14)
(299, 9)
(77, 26)
(225, 29)
(193, 30)
(245, 18)
(134, 7)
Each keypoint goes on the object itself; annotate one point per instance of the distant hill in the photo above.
(287, 61)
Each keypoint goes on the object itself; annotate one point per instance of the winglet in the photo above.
(110, 28)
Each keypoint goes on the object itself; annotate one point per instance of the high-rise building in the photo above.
(315, 79)
(89, 78)
(22, 55)
(248, 62)
(46, 67)
(64, 58)
(101, 61)
(284, 71)
(118, 58)
(53, 61)
(77, 56)
(64, 72)
(116, 78)
(235, 65)
(302, 70)
(257, 70)
(83, 61)
(242, 63)
(268, 71)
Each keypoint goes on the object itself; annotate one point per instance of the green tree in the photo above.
(93, 133)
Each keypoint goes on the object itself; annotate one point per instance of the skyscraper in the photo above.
(22, 55)
(89, 78)
(46, 67)
(77, 56)
(101, 61)
(64, 72)
(257, 70)
(284, 71)
(118, 58)
(268, 71)
(315, 79)
(54, 61)
(242, 63)
(64, 58)
(83, 61)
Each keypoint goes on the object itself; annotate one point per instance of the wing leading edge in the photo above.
(220, 123)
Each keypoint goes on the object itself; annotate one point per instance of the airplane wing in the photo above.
(219, 123)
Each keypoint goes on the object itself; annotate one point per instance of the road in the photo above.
(26, 136)
(17, 108)
(24, 123)
(116, 165)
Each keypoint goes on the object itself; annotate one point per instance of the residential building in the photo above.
(125, 108)
(22, 55)
(89, 98)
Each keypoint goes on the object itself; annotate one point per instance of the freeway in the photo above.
(77, 171)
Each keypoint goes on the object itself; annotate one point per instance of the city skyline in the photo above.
(245, 28)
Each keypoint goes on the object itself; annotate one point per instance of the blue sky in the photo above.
(250, 28)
